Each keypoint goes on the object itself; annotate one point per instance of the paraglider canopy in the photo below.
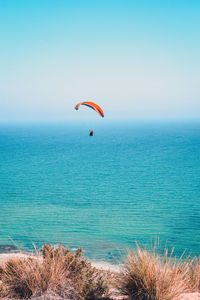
(92, 105)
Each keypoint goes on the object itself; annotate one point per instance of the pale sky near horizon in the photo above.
(137, 59)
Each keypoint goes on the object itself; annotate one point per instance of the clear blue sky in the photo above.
(137, 59)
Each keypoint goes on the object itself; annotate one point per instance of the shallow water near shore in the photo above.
(130, 181)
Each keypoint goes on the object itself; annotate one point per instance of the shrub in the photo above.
(58, 270)
(148, 274)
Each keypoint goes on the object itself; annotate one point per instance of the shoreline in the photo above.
(100, 265)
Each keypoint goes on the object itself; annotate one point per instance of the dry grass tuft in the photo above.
(194, 274)
(152, 275)
(58, 270)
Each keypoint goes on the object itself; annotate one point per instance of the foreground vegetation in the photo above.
(144, 274)
(57, 272)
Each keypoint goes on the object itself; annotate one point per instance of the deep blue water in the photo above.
(130, 181)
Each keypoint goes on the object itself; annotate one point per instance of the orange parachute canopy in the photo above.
(92, 105)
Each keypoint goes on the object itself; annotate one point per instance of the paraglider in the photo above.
(92, 105)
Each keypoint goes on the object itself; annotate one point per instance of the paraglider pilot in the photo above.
(92, 105)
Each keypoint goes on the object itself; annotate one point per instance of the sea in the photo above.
(132, 181)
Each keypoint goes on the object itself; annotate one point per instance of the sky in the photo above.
(138, 59)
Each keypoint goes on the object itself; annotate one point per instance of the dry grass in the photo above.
(59, 271)
(145, 275)
(152, 275)
(194, 274)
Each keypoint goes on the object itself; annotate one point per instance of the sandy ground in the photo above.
(6, 256)
(99, 265)
(189, 296)
(105, 266)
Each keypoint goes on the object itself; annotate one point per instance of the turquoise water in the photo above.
(128, 182)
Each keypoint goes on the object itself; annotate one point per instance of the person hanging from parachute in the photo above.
(92, 105)
(91, 133)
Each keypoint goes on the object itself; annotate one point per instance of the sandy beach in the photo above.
(4, 257)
